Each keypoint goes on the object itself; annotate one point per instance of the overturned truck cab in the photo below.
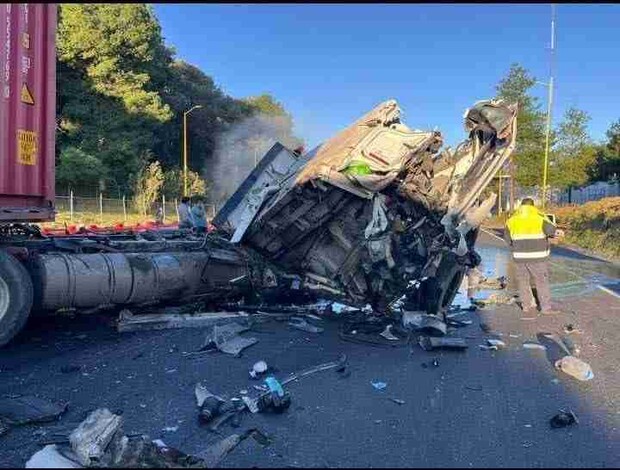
(379, 213)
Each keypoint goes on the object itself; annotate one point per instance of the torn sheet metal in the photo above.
(226, 339)
(162, 321)
(377, 207)
(29, 409)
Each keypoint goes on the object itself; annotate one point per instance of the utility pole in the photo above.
(185, 147)
(549, 106)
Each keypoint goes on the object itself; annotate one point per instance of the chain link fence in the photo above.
(103, 209)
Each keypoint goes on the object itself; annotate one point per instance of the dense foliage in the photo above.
(121, 98)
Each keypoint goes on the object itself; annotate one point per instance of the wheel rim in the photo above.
(4, 298)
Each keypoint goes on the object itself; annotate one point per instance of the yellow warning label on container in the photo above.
(26, 40)
(28, 144)
(26, 95)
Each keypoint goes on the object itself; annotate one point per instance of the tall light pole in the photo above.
(549, 107)
(185, 146)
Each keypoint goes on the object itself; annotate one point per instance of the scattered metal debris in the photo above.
(27, 409)
(127, 321)
(90, 440)
(563, 419)
(387, 334)
(429, 343)
(227, 340)
(303, 325)
(573, 349)
(210, 405)
(493, 345)
(398, 401)
(434, 362)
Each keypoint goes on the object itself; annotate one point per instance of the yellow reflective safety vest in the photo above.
(527, 232)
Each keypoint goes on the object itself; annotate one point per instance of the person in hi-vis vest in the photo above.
(527, 232)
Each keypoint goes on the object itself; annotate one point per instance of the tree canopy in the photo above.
(122, 94)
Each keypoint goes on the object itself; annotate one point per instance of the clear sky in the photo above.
(330, 63)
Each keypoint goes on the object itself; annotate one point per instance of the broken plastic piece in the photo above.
(379, 385)
(563, 419)
(575, 367)
(258, 368)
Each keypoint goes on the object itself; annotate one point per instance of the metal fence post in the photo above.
(101, 208)
(176, 207)
(71, 205)
(124, 209)
(163, 208)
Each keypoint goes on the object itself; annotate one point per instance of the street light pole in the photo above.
(549, 107)
(185, 147)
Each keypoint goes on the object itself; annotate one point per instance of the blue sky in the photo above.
(330, 63)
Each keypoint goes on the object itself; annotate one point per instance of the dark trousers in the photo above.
(538, 274)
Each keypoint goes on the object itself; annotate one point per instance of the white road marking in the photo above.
(609, 291)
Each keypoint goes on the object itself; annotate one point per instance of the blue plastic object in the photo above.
(274, 386)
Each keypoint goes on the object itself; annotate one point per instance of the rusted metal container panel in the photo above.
(27, 111)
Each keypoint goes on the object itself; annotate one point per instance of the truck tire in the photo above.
(15, 297)
(439, 291)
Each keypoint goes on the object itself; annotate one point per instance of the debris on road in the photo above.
(303, 325)
(50, 457)
(208, 403)
(215, 453)
(434, 363)
(493, 345)
(572, 348)
(90, 440)
(387, 334)
(369, 332)
(127, 321)
(226, 339)
(499, 298)
(570, 328)
(258, 369)
(563, 419)
(429, 343)
(276, 398)
(27, 409)
(534, 345)
(379, 385)
(575, 367)
(398, 401)
(69, 369)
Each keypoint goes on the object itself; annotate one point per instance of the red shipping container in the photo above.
(27, 111)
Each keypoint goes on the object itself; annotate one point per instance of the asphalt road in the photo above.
(476, 409)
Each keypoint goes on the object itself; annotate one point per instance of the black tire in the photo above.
(438, 292)
(15, 297)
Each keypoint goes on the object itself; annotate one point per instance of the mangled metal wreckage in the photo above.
(377, 213)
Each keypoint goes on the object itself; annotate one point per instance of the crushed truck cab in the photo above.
(377, 211)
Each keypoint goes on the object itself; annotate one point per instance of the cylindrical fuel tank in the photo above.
(91, 280)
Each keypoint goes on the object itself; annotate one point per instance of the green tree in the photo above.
(574, 153)
(173, 184)
(148, 187)
(530, 146)
(608, 156)
(111, 62)
(77, 168)
(266, 104)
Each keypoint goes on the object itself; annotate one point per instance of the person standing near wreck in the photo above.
(199, 216)
(527, 232)
(185, 216)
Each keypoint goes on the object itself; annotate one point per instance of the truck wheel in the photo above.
(439, 291)
(15, 297)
